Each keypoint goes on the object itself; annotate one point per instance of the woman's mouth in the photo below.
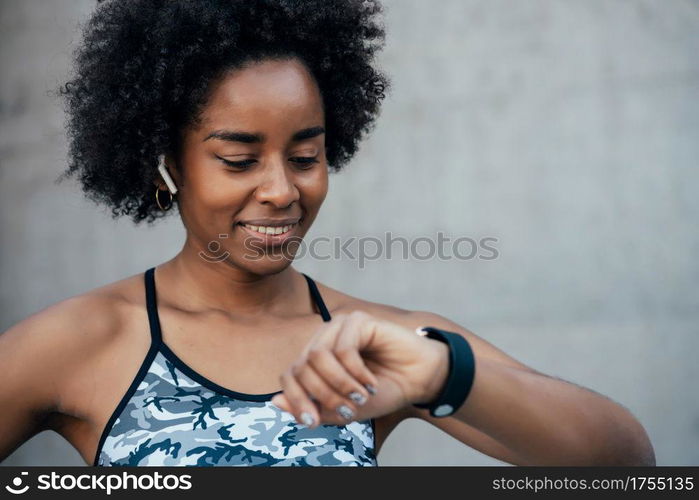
(270, 235)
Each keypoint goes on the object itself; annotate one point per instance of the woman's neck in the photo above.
(197, 284)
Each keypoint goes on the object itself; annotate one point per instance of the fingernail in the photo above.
(345, 412)
(370, 388)
(307, 418)
(357, 397)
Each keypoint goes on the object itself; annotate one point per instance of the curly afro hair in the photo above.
(143, 72)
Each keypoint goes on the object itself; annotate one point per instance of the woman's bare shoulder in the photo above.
(414, 318)
(342, 303)
(45, 353)
(74, 327)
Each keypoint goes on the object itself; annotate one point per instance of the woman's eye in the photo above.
(305, 160)
(238, 164)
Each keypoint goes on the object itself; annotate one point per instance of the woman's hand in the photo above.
(358, 366)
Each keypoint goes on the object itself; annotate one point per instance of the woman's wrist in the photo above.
(436, 371)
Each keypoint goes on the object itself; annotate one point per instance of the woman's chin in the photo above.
(268, 264)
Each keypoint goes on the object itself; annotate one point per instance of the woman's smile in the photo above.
(272, 234)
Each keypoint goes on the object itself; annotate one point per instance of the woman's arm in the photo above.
(512, 411)
(539, 419)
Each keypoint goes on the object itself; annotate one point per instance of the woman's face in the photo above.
(258, 157)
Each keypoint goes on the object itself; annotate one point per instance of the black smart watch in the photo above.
(462, 368)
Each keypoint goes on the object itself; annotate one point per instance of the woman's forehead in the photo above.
(267, 89)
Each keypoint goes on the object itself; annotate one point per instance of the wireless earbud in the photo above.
(165, 175)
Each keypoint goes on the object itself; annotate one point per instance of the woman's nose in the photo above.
(277, 187)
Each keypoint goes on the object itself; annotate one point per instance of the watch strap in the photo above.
(460, 375)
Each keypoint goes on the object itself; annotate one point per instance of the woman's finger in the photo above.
(280, 401)
(334, 373)
(344, 404)
(347, 351)
(304, 410)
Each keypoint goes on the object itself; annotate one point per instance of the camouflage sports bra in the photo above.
(173, 416)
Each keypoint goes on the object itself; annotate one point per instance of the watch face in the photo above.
(443, 410)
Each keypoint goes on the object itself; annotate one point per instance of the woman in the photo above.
(233, 112)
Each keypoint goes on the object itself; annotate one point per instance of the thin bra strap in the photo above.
(152, 306)
(317, 298)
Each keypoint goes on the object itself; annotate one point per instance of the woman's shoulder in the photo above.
(75, 327)
(89, 314)
(413, 319)
(343, 303)
(46, 352)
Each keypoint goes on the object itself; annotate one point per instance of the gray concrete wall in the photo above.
(569, 130)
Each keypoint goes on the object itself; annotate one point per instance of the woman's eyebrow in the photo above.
(250, 138)
(307, 133)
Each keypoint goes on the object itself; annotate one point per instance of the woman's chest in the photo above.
(172, 415)
(147, 403)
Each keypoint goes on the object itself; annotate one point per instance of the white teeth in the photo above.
(269, 229)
